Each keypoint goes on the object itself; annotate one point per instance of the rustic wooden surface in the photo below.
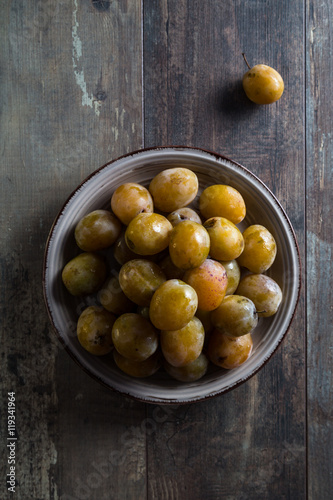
(86, 81)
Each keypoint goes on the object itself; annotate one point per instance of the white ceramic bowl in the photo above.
(141, 166)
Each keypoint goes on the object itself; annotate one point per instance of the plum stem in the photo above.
(246, 60)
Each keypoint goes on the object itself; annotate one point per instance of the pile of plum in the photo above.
(191, 285)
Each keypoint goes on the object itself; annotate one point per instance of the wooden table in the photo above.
(83, 82)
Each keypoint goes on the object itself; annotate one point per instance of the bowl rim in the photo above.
(161, 400)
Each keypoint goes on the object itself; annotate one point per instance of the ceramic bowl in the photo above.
(141, 166)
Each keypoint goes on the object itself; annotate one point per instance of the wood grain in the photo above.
(71, 92)
(319, 212)
(249, 443)
(82, 82)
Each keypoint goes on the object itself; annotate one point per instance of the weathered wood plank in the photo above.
(249, 443)
(319, 161)
(71, 99)
(71, 92)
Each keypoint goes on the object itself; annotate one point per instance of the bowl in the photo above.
(141, 166)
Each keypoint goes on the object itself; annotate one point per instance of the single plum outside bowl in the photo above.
(141, 166)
